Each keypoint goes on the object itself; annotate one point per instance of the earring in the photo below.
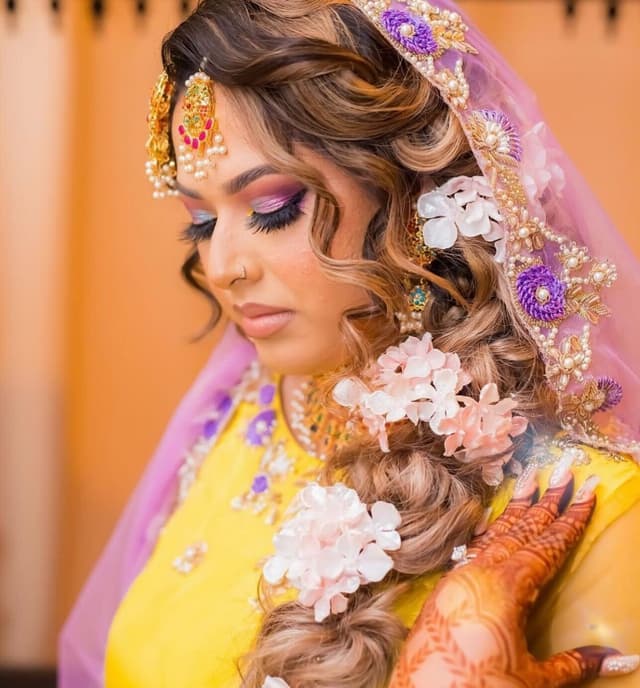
(200, 131)
(410, 318)
(160, 167)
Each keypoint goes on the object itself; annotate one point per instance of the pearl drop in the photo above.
(407, 30)
(523, 232)
(218, 138)
(598, 276)
(568, 363)
(542, 295)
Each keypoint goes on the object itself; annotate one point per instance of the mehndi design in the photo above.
(521, 551)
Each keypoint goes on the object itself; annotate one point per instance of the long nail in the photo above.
(615, 665)
(562, 469)
(525, 484)
(587, 489)
(483, 524)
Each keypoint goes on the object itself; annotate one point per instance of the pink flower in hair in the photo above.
(484, 428)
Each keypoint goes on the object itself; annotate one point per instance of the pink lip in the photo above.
(260, 321)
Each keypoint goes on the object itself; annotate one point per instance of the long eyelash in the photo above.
(279, 219)
(260, 222)
(194, 233)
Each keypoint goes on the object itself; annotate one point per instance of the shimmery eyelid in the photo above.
(201, 216)
(271, 204)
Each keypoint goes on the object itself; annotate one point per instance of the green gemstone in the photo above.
(418, 297)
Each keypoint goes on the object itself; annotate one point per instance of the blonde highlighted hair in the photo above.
(317, 74)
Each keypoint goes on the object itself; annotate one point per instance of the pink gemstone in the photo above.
(187, 140)
(209, 124)
(195, 143)
(202, 136)
(181, 129)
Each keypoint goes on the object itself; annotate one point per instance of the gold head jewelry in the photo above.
(160, 168)
(410, 319)
(199, 129)
(199, 132)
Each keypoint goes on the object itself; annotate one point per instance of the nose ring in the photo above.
(243, 275)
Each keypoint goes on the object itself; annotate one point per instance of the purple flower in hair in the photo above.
(612, 390)
(410, 31)
(541, 293)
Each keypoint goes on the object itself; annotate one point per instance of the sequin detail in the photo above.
(612, 390)
(496, 135)
(558, 293)
(192, 557)
(541, 293)
(411, 32)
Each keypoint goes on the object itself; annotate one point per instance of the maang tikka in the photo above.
(199, 131)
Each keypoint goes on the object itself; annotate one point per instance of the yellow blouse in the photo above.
(191, 613)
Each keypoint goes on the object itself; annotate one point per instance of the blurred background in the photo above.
(95, 323)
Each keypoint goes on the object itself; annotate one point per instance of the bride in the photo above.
(421, 301)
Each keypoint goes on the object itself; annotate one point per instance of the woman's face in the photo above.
(251, 219)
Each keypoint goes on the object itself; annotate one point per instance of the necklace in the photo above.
(318, 430)
(311, 427)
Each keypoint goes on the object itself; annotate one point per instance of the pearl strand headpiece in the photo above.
(200, 138)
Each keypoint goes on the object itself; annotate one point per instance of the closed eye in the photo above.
(259, 222)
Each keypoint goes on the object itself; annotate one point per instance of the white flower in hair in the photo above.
(274, 682)
(332, 545)
(464, 205)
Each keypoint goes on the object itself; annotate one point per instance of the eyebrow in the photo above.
(233, 186)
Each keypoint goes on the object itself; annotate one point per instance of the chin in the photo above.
(287, 358)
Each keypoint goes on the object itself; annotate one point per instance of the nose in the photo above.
(228, 259)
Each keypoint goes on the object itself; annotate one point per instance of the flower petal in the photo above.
(440, 233)
(374, 564)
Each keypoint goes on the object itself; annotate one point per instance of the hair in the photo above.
(318, 74)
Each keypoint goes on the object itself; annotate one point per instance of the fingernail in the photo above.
(561, 471)
(483, 524)
(619, 664)
(526, 481)
(587, 489)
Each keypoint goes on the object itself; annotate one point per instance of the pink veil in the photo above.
(84, 636)
(597, 378)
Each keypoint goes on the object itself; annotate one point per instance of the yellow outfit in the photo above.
(188, 629)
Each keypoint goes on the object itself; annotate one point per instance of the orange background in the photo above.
(94, 320)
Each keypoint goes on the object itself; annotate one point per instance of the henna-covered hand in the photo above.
(471, 631)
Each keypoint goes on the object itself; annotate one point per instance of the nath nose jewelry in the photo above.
(242, 276)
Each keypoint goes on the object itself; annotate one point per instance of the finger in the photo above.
(584, 664)
(535, 564)
(533, 522)
(524, 493)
